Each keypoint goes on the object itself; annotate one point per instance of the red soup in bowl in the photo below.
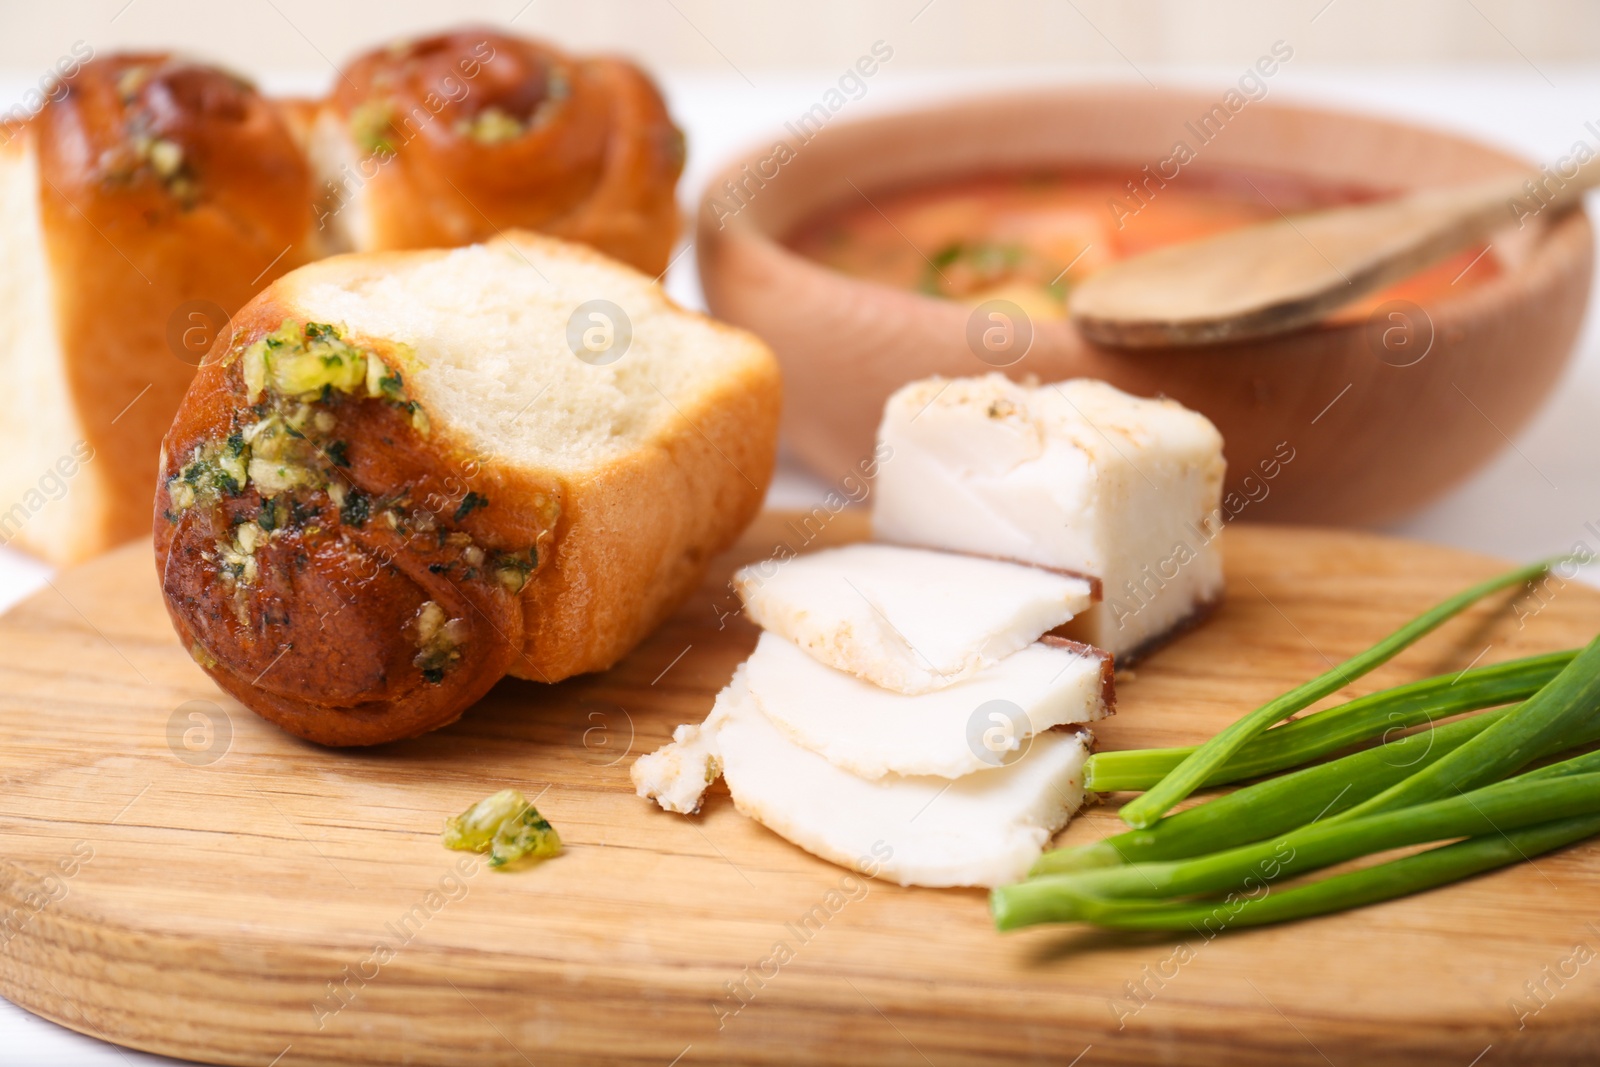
(1030, 236)
(866, 257)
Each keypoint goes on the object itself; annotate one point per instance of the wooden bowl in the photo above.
(1370, 438)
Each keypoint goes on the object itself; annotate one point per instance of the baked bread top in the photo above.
(408, 473)
(140, 209)
(153, 196)
(452, 138)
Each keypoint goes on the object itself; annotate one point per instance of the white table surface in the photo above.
(1533, 500)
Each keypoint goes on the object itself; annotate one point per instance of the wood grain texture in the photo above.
(1288, 274)
(205, 907)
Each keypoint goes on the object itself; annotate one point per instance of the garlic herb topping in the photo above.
(285, 445)
(504, 825)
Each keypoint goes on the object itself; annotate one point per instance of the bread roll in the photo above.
(145, 206)
(453, 138)
(409, 473)
(136, 212)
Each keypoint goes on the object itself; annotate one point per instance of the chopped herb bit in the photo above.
(268, 519)
(962, 269)
(470, 503)
(357, 508)
(511, 569)
(433, 675)
(236, 559)
(492, 125)
(504, 825)
(529, 835)
(130, 81)
(339, 454)
(214, 470)
(439, 639)
(303, 361)
(372, 126)
(315, 364)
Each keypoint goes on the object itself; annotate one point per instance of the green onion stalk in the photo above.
(1198, 767)
(1564, 791)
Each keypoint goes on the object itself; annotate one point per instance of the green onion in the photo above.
(1553, 719)
(1271, 807)
(1303, 740)
(1278, 805)
(1505, 806)
(1194, 771)
(1384, 881)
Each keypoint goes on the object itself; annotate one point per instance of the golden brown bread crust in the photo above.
(322, 641)
(319, 641)
(493, 132)
(170, 192)
(139, 234)
(631, 546)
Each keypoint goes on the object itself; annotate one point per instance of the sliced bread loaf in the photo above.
(409, 473)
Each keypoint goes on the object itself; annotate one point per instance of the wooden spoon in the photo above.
(1283, 275)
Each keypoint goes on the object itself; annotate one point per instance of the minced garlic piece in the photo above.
(504, 825)
(306, 361)
(439, 639)
(371, 124)
(215, 469)
(130, 81)
(492, 125)
(166, 157)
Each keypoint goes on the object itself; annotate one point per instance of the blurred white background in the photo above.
(756, 36)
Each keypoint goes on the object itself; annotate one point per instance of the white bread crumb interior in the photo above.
(489, 327)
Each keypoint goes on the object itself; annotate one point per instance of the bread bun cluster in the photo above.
(492, 132)
(145, 204)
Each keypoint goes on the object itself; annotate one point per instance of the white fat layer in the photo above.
(676, 774)
(973, 726)
(1075, 475)
(907, 619)
(980, 830)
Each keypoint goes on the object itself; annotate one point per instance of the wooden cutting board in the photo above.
(178, 876)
